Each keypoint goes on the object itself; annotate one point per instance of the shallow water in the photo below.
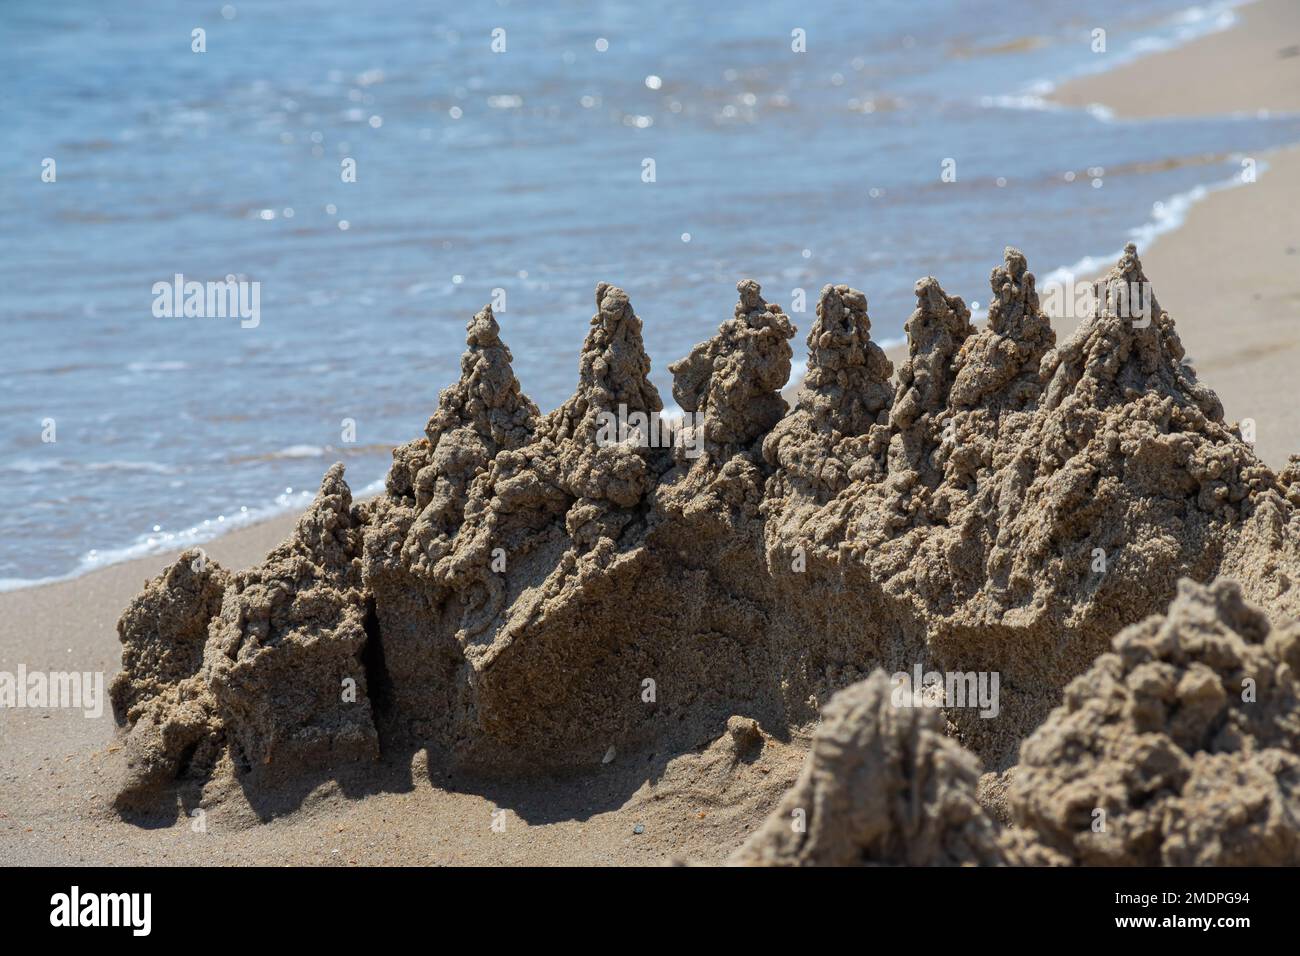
(519, 171)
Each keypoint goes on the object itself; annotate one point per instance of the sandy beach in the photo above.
(1254, 66)
(1229, 277)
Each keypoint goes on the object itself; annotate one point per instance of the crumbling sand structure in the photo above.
(257, 669)
(528, 592)
(882, 785)
(1180, 747)
(1176, 748)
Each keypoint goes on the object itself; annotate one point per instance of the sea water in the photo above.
(520, 152)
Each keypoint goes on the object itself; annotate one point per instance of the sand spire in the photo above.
(283, 658)
(1127, 348)
(848, 383)
(735, 378)
(839, 416)
(613, 371)
(481, 415)
(485, 411)
(1000, 363)
(936, 331)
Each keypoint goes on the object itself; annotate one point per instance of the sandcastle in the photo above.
(526, 594)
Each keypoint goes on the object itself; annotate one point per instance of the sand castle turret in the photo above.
(164, 629)
(259, 667)
(848, 383)
(283, 658)
(1125, 349)
(159, 697)
(596, 448)
(613, 371)
(936, 331)
(482, 413)
(838, 420)
(734, 379)
(999, 365)
(1120, 396)
(488, 396)
(480, 416)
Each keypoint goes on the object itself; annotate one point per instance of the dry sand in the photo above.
(1253, 66)
(1228, 279)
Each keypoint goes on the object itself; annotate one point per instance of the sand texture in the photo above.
(1177, 748)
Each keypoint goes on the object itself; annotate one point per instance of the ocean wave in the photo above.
(33, 466)
(1040, 103)
(146, 467)
(174, 366)
(36, 466)
(1166, 216)
(299, 451)
(159, 542)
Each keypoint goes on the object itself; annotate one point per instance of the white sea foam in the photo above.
(32, 466)
(157, 366)
(1174, 31)
(159, 542)
(36, 466)
(299, 451)
(1166, 216)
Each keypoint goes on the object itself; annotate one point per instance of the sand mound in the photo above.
(1179, 748)
(164, 631)
(729, 784)
(159, 694)
(531, 590)
(259, 667)
(882, 785)
(283, 657)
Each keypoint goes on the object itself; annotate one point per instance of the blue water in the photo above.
(477, 170)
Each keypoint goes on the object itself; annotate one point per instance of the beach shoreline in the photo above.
(1260, 25)
(1194, 80)
(1228, 276)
